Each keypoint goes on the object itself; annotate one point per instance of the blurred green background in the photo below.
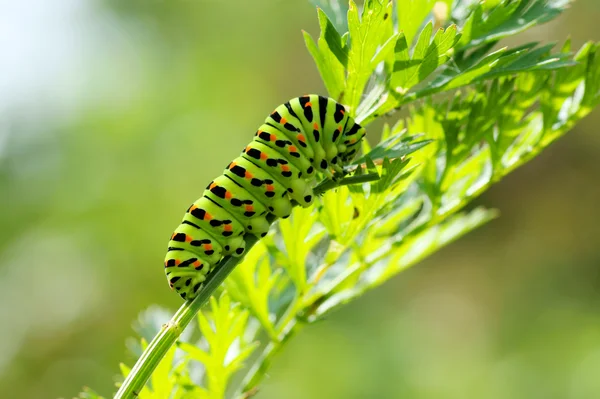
(113, 116)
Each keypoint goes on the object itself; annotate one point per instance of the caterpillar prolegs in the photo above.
(275, 172)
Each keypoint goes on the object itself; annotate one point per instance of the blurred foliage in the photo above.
(511, 312)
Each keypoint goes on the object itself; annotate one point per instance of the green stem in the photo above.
(156, 350)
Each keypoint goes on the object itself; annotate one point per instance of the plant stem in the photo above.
(160, 344)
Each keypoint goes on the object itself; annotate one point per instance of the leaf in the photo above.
(331, 55)
(330, 38)
(432, 239)
(403, 255)
(507, 18)
(396, 146)
(426, 58)
(299, 235)
(251, 283)
(502, 62)
(367, 33)
(412, 13)
(389, 174)
(337, 10)
(224, 348)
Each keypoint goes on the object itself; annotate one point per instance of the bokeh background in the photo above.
(113, 116)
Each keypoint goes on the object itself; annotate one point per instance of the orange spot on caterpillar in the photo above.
(177, 262)
(285, 168)
(315, 126)
(273, 137)
(249, 208)
(339, 129)
(263, 156)
(213, 185)
(228, 194)
(227, 227)
(193, 207)
(207, 216)
(208, 247)
(249, 175)
(308, 104)
(283, 121)
(270, 187)
(196, 263)
(342, 111)
(301, 138)
(188, 238)
(232, 165)
(293, 148)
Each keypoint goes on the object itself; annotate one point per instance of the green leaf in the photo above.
(367, 33)
(403, 255)
(508, 18)
(412, 13)
(396, 146)
(426, 58)
(502, 62)
(337, 10)
(331, 39)
(331, 55)
(389, 174)
(251, 284)
(299, 235)
(223, 348)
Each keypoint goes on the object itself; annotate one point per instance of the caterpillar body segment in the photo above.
(275, 172)
(287, 174)
(272, 194)
(277, 140)
(241, 204)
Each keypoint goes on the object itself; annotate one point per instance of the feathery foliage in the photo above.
(477, 111)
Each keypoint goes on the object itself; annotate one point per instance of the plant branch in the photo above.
(169, 333)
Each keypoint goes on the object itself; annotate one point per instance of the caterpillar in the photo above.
(275, 172)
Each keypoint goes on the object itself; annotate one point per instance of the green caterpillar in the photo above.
(275, 171)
